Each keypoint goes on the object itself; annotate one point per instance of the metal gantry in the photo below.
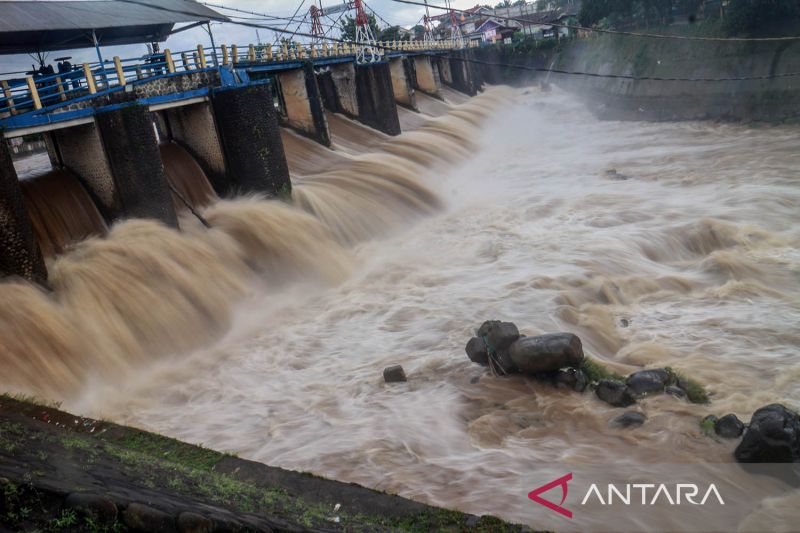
(367, 50)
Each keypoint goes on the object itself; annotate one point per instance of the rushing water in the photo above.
(658, 244)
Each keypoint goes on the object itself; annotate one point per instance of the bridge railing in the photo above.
(45, 92)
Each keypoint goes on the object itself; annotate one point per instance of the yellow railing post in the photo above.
(185, 61)
(120, 72)
(170, 62)
(251, 53)
(87, 72)
(234, 54)
(269, 52)
(9, 98)
(37, 104)
(139, 72)
(60, 84)
(224, 54)
(195, 60)
(201, 55)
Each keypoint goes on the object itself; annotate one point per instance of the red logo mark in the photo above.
(562, 482)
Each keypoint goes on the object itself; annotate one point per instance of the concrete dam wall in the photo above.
(772, 99)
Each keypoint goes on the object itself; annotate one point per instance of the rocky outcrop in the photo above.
(773, 436)
(546, 353)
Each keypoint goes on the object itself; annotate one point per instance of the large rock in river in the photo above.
(773, 436)
(546, 353)
(648, 381)
(477, 352)
(498, 334)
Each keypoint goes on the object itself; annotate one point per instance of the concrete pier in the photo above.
(194, 128)
(303, 103)
(402, 87)
(251, 140)
(464, 78)
(376, 105)
(117, 159)
(19, 252)
(426, 77)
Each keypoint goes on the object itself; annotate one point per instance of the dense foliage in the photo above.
(348, 27)
(746, 16)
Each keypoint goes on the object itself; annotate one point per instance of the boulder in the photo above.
(676, 391)
(629, 419)
(615, 393)
(394, 374)
(99, 508)
(729, 427)
(773, 436)
(648, 381)
(571, 378)
(502, 335)
(139, 517)
(477, 352)
(546, 353)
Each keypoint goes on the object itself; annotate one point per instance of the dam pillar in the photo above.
(195, 129)
(443, 65)
(343, 77)
(461, 72)
(303, 103)
(19, 251)
(118, 161)
(140, 185)
(376, 106)
(401, 82)
(425, 76)
(251, 140)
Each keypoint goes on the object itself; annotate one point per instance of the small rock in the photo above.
(648, 381)
(615, 393)
(546, 353)
(477, 352)
(683, 384)
(630, 419)
(472, 520)
(99, 508)
(475, 379)
(710, 419)
(571, 378)
(189, 522)
(139, 517)
(675, 391)
(729, 427)
(773, 436)
(502, 335)
(394, 374)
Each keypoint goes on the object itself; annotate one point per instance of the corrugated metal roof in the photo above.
(27, 26)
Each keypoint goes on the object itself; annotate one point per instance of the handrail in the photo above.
(37, 92)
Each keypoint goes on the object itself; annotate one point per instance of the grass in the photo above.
(695, 392)
(596, 372)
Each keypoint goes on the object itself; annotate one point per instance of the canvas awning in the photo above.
(41, 26)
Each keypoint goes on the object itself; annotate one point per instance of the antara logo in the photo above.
(649, 494)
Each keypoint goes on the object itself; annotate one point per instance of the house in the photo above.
(492, 31)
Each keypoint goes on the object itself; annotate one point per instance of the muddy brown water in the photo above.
(658, 244)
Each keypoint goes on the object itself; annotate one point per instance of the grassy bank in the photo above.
(46, 455)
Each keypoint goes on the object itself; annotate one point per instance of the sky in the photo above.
(394, 13)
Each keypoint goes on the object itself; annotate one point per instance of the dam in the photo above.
(229, 245)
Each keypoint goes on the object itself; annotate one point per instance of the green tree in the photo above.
(392, 33)
(348, 27)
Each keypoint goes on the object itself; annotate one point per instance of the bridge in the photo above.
(104, 121)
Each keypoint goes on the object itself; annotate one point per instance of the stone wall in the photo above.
(251, 139)
(19, 252)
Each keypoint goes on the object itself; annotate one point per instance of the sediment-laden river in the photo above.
(658, 244)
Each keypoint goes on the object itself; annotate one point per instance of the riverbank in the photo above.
(61, 472)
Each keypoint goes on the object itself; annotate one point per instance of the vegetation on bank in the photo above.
(57, 449)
